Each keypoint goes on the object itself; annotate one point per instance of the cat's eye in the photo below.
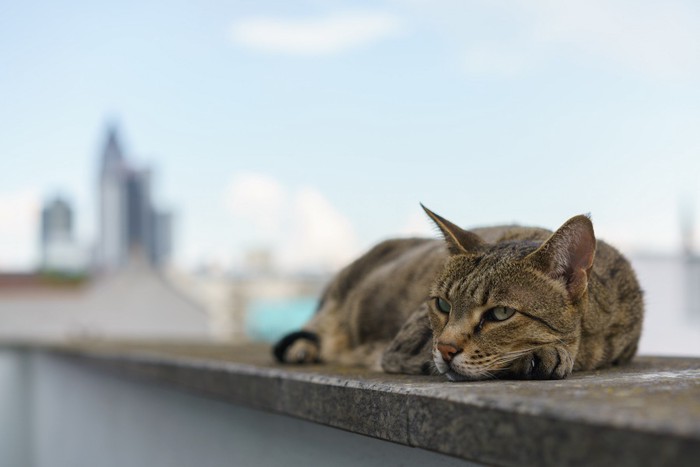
(499, 313)
(443, 305)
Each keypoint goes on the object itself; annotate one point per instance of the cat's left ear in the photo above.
(568, 255)
(459, 241)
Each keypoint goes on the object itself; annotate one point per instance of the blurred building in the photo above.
(134, 302)
(259, 261)
(129, 223)
(239, 306)
(59, 250)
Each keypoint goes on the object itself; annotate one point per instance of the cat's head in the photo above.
(510, 309)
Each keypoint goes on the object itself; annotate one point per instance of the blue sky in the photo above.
(315, 128)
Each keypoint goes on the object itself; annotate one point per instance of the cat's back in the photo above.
(391, 259)
(372, 297)
(612, 320)
(510, 233)
(403, 260)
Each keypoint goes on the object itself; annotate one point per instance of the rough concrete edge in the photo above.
(423, 389)
(160, 358)
(148, 365)
(498, 437)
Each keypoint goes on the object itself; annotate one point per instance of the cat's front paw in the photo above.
(545, 363)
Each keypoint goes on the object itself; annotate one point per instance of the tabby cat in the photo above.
(506, 302)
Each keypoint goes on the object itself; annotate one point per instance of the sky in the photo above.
(314, 129)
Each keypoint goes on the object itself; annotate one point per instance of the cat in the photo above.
(494, 302)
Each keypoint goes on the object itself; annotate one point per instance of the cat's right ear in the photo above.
(459, 241)
(568, 255)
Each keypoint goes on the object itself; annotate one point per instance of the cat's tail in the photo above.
(298, 347)
(303, 346)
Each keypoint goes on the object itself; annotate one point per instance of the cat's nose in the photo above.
(448, 351)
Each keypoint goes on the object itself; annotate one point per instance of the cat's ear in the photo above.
(459, 241)
(568, 255)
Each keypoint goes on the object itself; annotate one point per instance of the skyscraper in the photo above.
(59, 250)
(129, 224)
(56, 221)
(112, 205)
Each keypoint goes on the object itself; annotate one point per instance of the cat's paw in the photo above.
(298, 347)
(545, 363)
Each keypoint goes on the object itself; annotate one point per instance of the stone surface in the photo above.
(646, 413)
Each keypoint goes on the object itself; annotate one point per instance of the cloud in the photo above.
(301, 226)
(19, 234)
(315, 36)
(257, 198)
(320, 237)
(658, 39)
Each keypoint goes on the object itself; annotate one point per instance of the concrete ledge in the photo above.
(647, 413)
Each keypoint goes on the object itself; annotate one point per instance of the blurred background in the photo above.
(198, 170)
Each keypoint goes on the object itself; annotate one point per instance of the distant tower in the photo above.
(112, 247)
(56, 221)
(161, 237)
(139, 218)
(59, 250)
(56, 228)
(129, 225)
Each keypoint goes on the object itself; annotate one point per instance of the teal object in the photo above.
(270, 319)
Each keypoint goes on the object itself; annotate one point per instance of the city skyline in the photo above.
(250, 192)
(129, 223)
(315, 129)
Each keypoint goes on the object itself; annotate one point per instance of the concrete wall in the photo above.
(56, 413)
